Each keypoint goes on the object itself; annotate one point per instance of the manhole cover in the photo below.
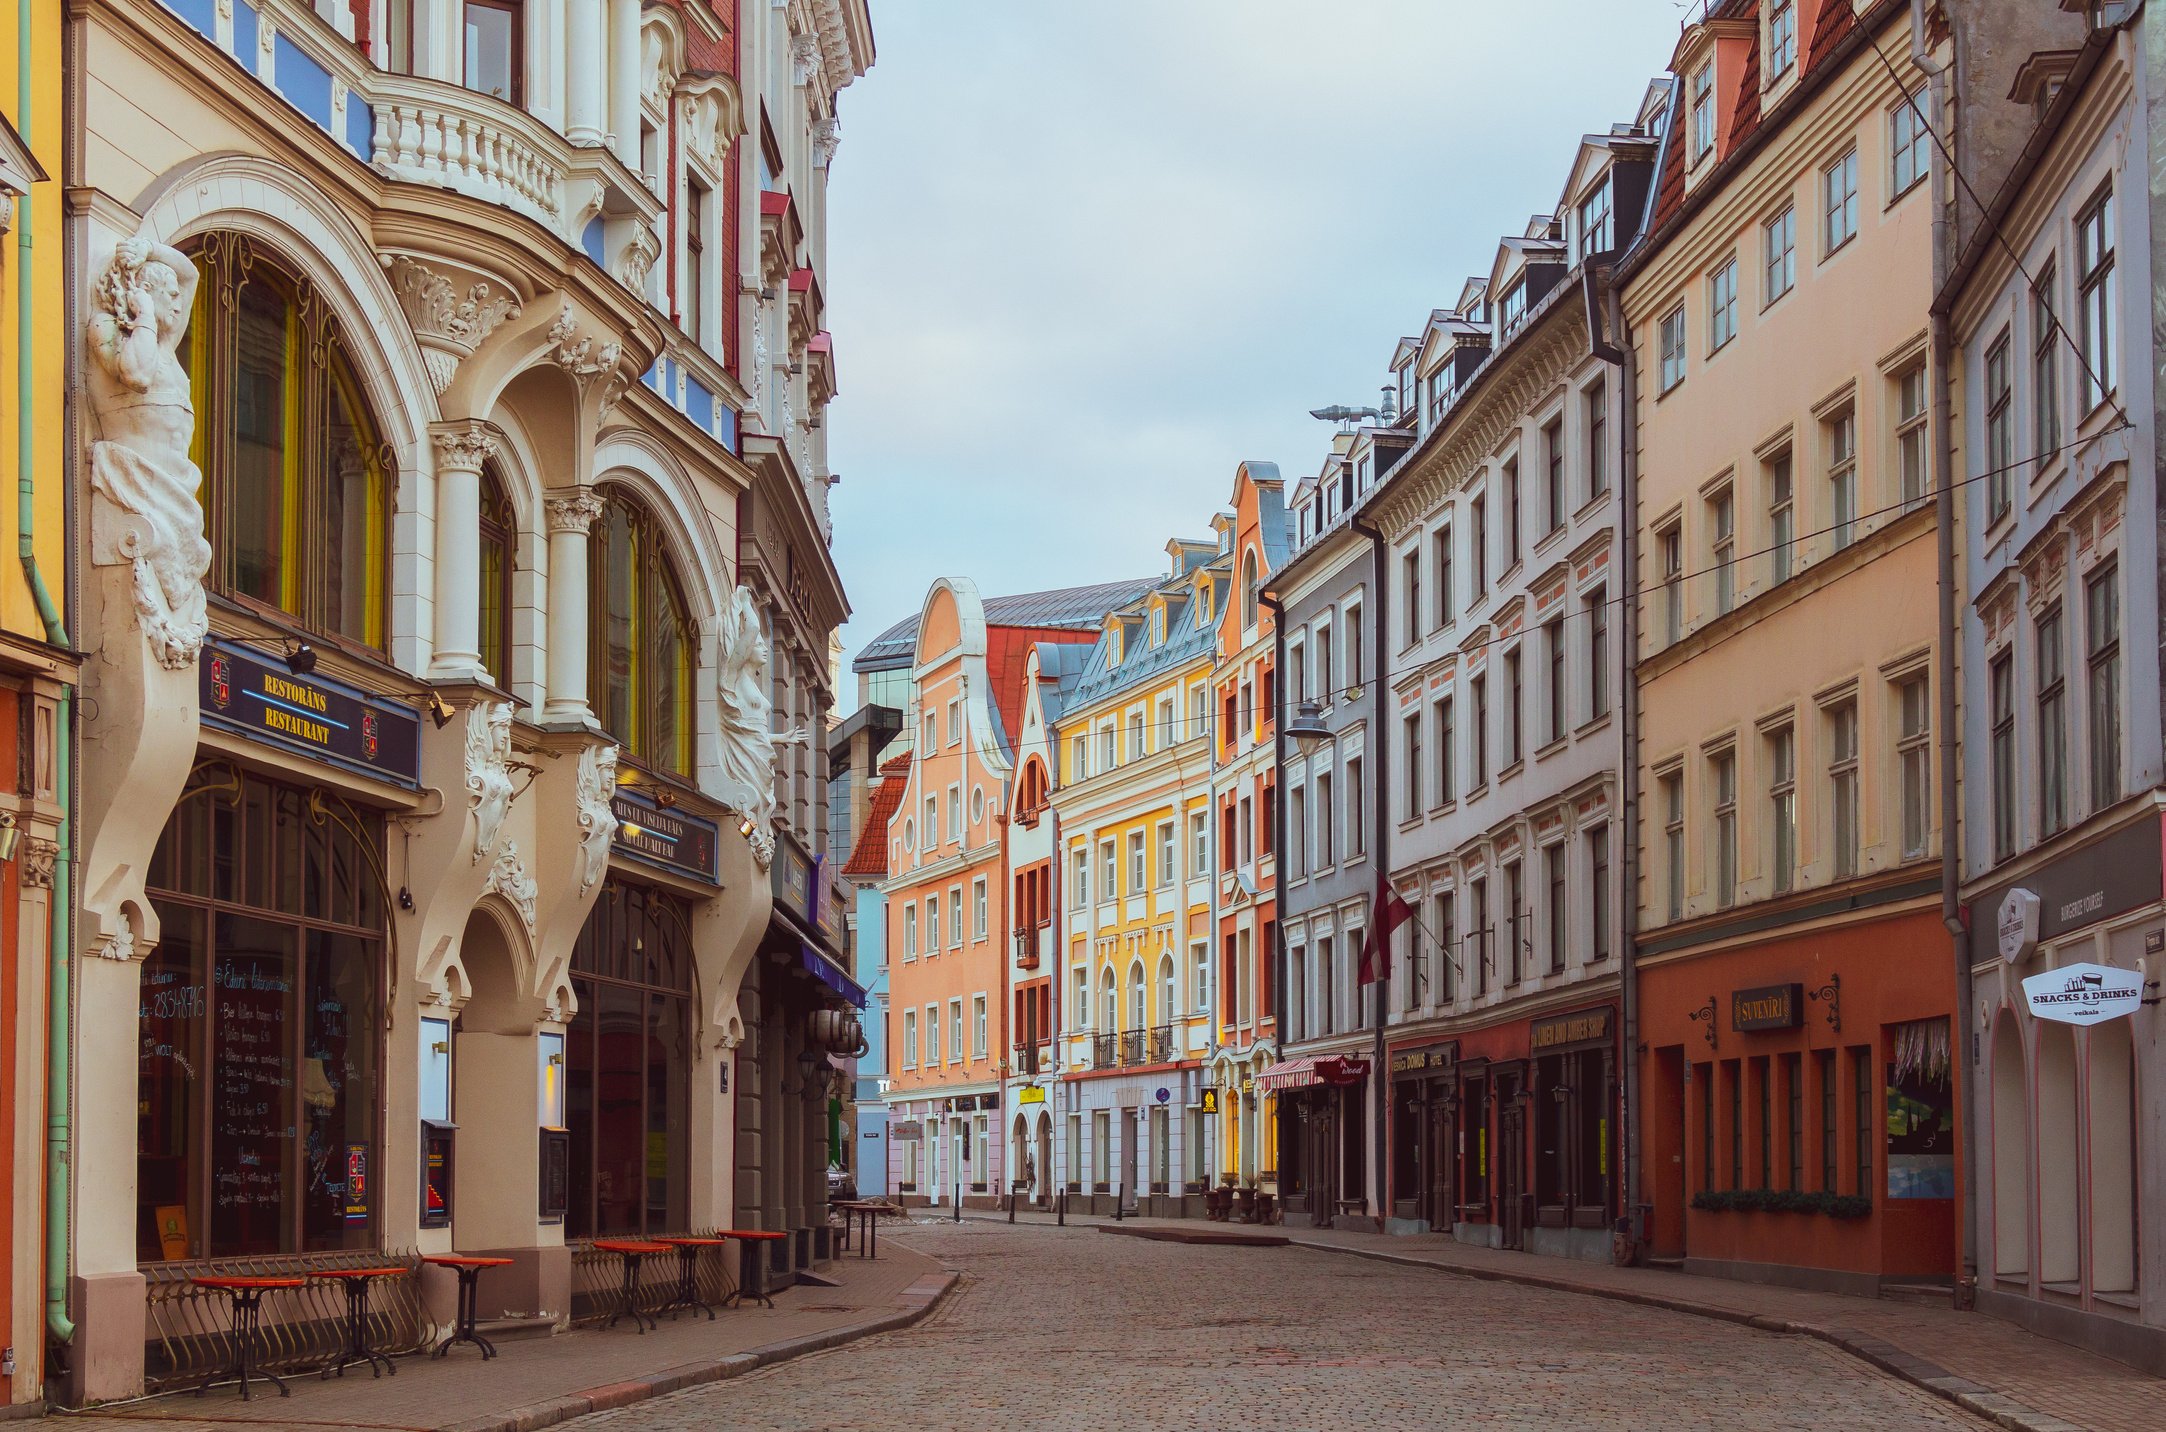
(829, 1308)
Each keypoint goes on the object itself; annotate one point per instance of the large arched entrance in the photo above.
(2011, 1152)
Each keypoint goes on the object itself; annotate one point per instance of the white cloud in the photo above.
(1086, 257)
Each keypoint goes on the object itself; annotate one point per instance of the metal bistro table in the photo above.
(869, 1212)
(247, 1295)
(687, 1295)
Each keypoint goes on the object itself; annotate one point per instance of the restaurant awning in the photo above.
(1312, 1070)
(824, 970)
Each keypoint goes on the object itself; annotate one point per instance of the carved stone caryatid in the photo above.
(488, 777)
(448, 325)
(746, 736)
(509, 879)
(144, 511)
(637, 258)
(597, 816)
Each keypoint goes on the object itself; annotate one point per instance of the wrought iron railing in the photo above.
(190, 1329)
(598, 1277)
(1161, 1043)
(1105, 1051)
(1131, 1046)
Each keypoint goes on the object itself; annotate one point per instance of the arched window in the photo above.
(1111, 1001)
(297, 479)
(499, 555)
(640, 640)
(1166, 997)
(1136, 1019)
(1248, 588)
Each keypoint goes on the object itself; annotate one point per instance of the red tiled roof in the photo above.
(869, 858)
(1747, 118)
(1836, 21)
(1007, 652)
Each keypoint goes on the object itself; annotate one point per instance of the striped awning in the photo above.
(1311, 1070)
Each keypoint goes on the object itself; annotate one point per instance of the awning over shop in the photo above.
(1313, 1070)
(824, 970)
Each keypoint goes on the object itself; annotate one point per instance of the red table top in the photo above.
(629, 1245)
(237, 1284)
(761, 1234)
(460, 1260)
(689, 1242)
(357, 1273)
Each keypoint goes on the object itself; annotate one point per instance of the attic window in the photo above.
(1203, 606)
(1781, 37)
(1703, 111)
(1515, 305)
(1158, 626)
(1594, 221)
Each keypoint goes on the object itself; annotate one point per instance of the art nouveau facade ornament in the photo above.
(449, 324)
(488, 781)
(509, 879)
(144, 512)
(597, 818)
(746, 733)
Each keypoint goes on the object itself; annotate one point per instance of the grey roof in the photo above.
(1141, 661)
(1270, 514)
(1061, 665)
(1074, 608)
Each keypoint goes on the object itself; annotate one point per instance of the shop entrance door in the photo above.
(1511, 1160)
(1127, 1190)
(1666, 1153)
(1438, 1163)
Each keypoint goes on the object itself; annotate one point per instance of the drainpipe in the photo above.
(59, 1000)
(1950, 636)
(1276, 955)
(1380, 783)
(1618, 351)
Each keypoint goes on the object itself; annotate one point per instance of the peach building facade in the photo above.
(1798, 1088)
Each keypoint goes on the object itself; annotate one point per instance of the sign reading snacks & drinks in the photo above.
(325, 720)
(1768, 1007)
(2083, 994)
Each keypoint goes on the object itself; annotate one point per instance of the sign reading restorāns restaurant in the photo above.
(327, 720)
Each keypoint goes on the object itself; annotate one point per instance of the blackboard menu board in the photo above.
(252, 1094)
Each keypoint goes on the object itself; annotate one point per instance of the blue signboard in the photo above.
(327, 720)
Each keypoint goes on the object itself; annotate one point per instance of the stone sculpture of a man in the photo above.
(139, 393)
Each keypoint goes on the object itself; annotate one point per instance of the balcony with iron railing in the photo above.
(1032, 1059)
(1030, 946)
(1133, 1048)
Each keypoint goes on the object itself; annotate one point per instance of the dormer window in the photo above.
(1594, 221)
(1703, 111)
(1158, 626)
(1406, 388)
(1781, 37)
(1515, 305)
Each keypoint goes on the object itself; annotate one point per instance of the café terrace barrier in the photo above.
(191, 1328)
(598, 1278)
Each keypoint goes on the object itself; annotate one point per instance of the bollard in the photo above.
(1120, 1198)
(958, 1203)
(1062, 1215)
(1011, 1203)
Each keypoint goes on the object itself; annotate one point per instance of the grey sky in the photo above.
(1086, 256)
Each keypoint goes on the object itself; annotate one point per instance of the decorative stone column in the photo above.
(461, 449)
(569, 518)
(624, 81)
(585, 60)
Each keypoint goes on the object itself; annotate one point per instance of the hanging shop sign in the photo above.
(673, 840)
(790, 878)
(2016, 927)
(1767, 1007)
(1030, 1094)
(1569, 1029)
(2083, 994)
(324, 720)
(1430, 1059)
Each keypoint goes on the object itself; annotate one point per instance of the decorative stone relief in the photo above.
(144, 511)
(638, 257)
(509, 879)
(597, 818)
(39, 860)
(448, 326)
(587, 358)
(804, 58)
(826, 136)
(746, 718)
(488, 782)
(575, 513)
(466, 448)
(758, 373)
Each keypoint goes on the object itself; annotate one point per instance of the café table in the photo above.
(688, 1273)
(469, 1271)
(247, 1295)
(634, 1251)
(356, 1283)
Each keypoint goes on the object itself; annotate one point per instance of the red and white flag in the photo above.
(1391, 912)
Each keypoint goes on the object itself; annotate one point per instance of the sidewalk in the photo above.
(1993, 1368)
(538, 1382)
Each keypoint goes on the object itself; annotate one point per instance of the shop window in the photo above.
(1861, 1089)
(297, 479)
(629, 1084)
(1793, 1093)
(1920, 1111)
(1824, 1066)
(260, 1093)
(499, 531)
(641, 639)
(1705, 1074)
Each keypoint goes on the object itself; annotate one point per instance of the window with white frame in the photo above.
(1594, 403)
(910, 1039)
(1842, 720)
(932, 924)
(1079, 758)
(1910, 144)
(1670, 545)
(1722, 305)
(1441, 545)
(1722, 547)
(1673, 843)
(1447, 772)
(1703, 110)
(2001, 716)
(1199, 844)
(2000, 443)
(1778, 237)
(2050, 643)
(1079, 878)
(1911, 479)
(1722, 779)
(1781, 745)
(2095, 288)
(932, 1034)
(977, 909)
(2046, 338)
(1081, 1019)
(1597, 653)
(1913, 740)
(1839, 434)
(1594, 221)
(1199, 977)
(1781, 516)
(1138, 877)
(955, 1030)
(977, 1026)
(1839, 202)
(1781, 37)
(1168, 860)
(955, 815)
(1672, 338)
(1109, 875)
(910, 931)
(955, 917)
(2102, 656)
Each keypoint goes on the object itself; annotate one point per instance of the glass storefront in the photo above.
(260, 1090)
(628, 1065)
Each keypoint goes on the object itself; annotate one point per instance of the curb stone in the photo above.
(916, 1302)
(1995, 1407)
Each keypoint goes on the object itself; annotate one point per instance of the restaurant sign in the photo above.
(1433, 1058)
(1578, 1028)
(325, 720)
(671, 839)
(1767, 1007)
(1030, 1094)
(2083, 994)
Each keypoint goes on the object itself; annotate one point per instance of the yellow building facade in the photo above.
(1133, 804)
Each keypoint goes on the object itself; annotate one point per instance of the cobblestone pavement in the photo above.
(1062, 1330)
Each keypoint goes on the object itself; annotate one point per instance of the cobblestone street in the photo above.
(1062, 1330)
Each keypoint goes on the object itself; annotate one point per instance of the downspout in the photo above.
(1212, 1144)
(1950, 636)
(1380, 784)
(59, 1000)
(1618, 351)
(1276, 955)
